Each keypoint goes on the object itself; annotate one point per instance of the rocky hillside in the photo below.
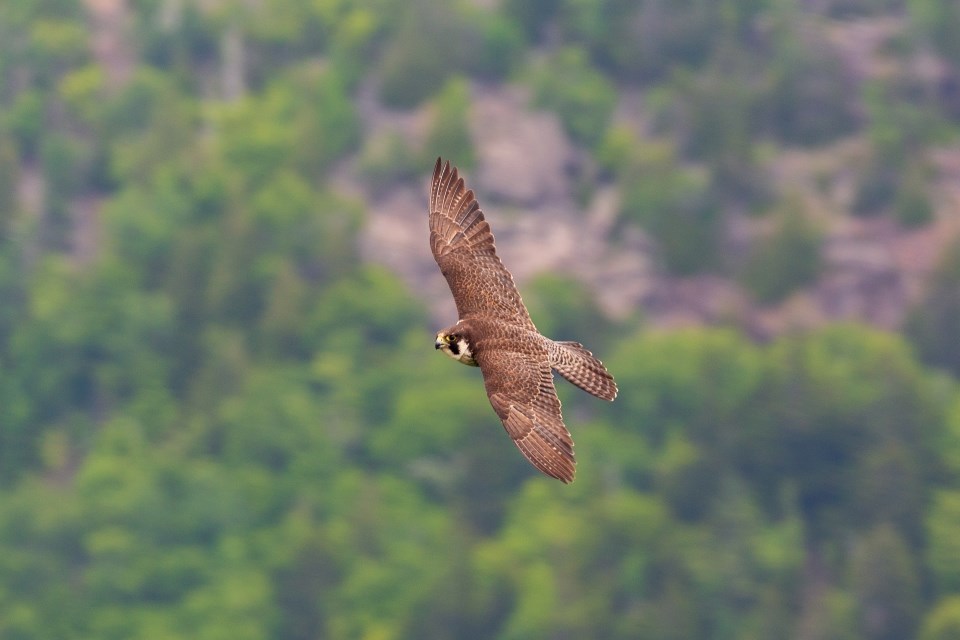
(554, 210)
(873, 271)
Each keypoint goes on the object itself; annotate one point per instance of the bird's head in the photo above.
(456, 345)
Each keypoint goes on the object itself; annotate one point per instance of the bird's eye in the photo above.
(451, 338)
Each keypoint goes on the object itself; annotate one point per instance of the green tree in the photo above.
(564, 309)
(943, 551)
(412, 70)
(533, 17)
(943, 622)
(714, 113)
(786, 260)
(540, 568)
(810, 98)
(938, 20)
(830, 405)
(932, 323)
(9, 184)
(901, 123)
(449, 133)
(886, 584)
(672, 203)
(581, 96)
(644, 41)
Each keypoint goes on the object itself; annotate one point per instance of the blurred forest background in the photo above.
(221, 413)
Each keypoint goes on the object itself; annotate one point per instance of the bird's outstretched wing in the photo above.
(522, 393)
(463, 247)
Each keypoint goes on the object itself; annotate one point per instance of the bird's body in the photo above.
(495, 332)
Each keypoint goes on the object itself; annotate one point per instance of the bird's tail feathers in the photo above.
(579, 366)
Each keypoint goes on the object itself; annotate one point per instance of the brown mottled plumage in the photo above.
(495, 332)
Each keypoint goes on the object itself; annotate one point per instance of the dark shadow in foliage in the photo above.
(943, 621)
(716, 116)
(886, 584)
(812, 95)
(787, 260)
(672, 203)
(581, 96)
(902, 122)
(435, 40)
(188, 41)
(449, 133)
(830, 407)
(300, 586)
(564, 308)
(643, 41)
(9, 184)
(534, 16)
(933, 325)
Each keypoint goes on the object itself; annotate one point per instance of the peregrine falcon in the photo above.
(495, 332)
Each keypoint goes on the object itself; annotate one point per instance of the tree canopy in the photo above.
(218, 420)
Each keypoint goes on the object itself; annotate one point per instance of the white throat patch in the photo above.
(466, 356)
(459, 351)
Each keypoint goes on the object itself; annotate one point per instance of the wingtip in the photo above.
(442, 167)
(443, 173)
(616, 391)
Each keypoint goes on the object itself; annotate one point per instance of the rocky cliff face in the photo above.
(524, 175)
(874, 269)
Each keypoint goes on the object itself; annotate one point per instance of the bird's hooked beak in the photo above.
(438, 343)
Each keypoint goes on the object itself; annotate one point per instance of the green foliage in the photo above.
(932, 324)
(56, 45)
(62, 159)
(913, 206)
(449, 134)
(886, 584)
(582, 97)
(222, 424)
(845, 428)
(943, 622)
(9, 183)
(368, 305)
(186, 39)
(25, 120)
(876, 189)
(810, 99)
(152, 126)
(781, 418)
(852, 9)
(901, 122)
(387, 159)
(671, 202)
(943, 553)
(413, 67)
(253, 520)
(564, 309)
(715, 115)
(500, 46)
(692, 381)
(646, 40)
(788, 259)
(533, 16)
(325, 116)
(939, 20)
(259, 135)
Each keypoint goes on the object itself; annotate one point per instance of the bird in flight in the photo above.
(495, 332)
